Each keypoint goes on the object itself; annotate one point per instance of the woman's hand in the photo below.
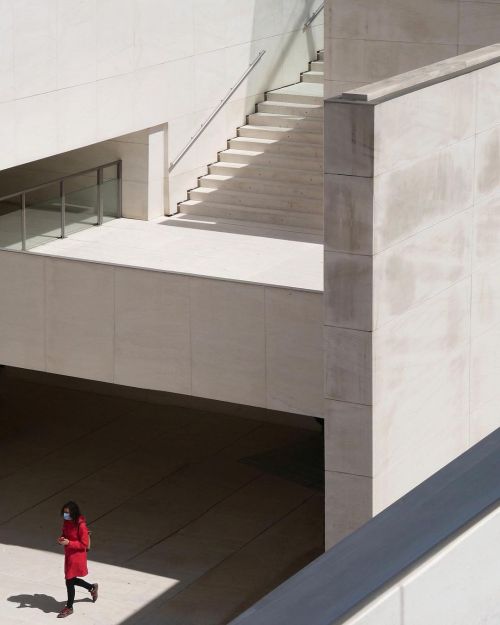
(63, 541)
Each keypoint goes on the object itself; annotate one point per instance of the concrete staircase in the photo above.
(272, 172)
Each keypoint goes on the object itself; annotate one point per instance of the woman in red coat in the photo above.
(75, 538)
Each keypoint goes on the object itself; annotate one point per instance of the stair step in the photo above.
(294, 98)
(302, 92)
(281, 133)
(272, 172)
(271, 216)
(316, 77)
(273, 159)
(275, 146)
(251, 172)
(307, 124)
(270, 187)
(187, 221)
(312, 111)
(237, 197)
(257, 200)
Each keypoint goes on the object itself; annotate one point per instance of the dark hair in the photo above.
(74, 510)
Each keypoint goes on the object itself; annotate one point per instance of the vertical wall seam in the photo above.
(113, 339)
(472, 246)
(402, 605)
(45, 312)
(373, 316)
(266, 383)
(190, 333)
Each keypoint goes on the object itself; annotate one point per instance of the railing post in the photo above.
(23, 220)
(62, 194)
(100, 199)
(120, 195)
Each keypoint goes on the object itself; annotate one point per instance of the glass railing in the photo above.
(55, 209)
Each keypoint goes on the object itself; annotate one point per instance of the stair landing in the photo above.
(207, 247)
(257, 216)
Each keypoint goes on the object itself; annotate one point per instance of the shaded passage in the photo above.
(187, 526)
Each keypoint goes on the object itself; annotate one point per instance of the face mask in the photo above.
(67, 516)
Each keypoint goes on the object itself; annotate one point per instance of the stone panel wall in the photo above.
(456, 584)
(219, 339)
(367, 41)
(79, 72)
(412, 289)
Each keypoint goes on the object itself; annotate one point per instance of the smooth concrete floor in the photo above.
(186, 531)
(254, 253)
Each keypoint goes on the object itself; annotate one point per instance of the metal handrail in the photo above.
(212, 115)
(311, 19)
(62, 195)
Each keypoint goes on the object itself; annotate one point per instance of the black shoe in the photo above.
(94, 593)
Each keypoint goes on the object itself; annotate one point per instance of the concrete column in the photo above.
(145, 174)
(412, 311)
(397, 294)
(348, 336)
(157, 173)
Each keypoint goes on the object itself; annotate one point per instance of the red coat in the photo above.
(75, 553)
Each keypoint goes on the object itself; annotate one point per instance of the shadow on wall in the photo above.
(250, 26)
(293, 26)
(192, 513)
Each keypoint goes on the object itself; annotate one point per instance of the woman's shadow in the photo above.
(45, 603)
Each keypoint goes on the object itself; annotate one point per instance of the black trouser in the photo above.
(70, 585)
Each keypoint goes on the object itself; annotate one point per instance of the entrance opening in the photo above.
(195, 513)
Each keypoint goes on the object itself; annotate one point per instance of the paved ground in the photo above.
(261, 254)
(191, 520)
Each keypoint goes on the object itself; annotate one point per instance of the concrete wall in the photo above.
(429, 558)
(77, 72)
(229, 341)
(367, 41)
(456, 585)
(144, 171)
(412, 295)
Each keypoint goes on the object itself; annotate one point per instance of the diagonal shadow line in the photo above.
(172, 592)
(35, 601)
(175, 471)
(83, 477)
